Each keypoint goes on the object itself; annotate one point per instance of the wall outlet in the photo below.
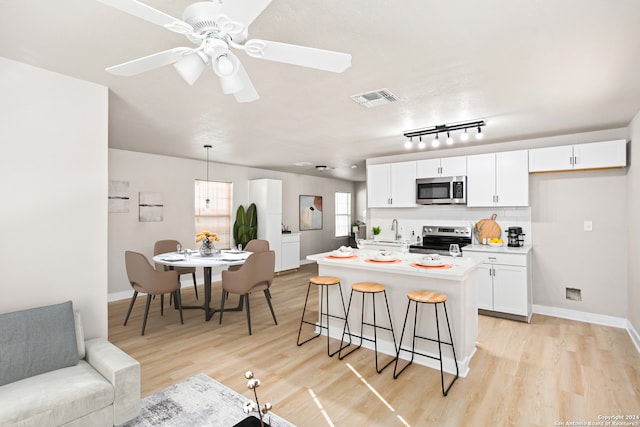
(574, 294)
(588, 226)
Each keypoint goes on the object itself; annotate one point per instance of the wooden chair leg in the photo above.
(133, 300)
(146, 313)
(268, 297)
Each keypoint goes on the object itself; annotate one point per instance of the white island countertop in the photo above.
(363, 261)
(400, 277)
(522, 250)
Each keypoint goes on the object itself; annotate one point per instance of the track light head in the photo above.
(436, 141)
(465, 136)
(449, 139)
(408, 144)
(479, 134)
(421, 144)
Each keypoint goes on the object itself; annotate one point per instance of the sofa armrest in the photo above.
(121, 370)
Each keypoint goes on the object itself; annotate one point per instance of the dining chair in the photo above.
(255, 275)
(255, 245)
(146, 279)
(164, 246)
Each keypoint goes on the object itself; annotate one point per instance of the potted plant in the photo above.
(376, 232)
(245, 227)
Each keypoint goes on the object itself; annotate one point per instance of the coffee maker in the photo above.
(515, 237)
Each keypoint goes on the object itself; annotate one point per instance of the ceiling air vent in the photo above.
(375, 98)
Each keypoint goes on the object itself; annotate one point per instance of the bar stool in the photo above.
(323, 282)
(368, 288)
(435, 298)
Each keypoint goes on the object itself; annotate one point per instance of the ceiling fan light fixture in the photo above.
(231, 84)
(190, 67)
(225, 65)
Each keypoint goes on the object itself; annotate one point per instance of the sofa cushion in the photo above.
(37, 340)
(56, 398)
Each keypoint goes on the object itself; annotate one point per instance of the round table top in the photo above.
(226, 258)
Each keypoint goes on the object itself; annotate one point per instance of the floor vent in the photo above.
(375, 98)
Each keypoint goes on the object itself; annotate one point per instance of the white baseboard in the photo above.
(186, 281)
(635, 337)
(581, 316)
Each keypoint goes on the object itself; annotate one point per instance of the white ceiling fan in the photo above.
(215, 26)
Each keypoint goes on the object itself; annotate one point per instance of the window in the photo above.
(216, 217)
(343, 214)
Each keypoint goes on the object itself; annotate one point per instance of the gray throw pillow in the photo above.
(36, 341)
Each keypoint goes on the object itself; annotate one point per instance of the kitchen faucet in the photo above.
(394, 227)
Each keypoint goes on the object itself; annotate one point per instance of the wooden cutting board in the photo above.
(487, 228)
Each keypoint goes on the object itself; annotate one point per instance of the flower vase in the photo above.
(207, 250)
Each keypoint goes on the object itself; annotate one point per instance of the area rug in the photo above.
(197, 401)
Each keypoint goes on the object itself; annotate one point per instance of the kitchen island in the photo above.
(399, 278)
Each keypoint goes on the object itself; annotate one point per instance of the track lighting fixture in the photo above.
(421, 144)
(448, 129)
(408, 143)
(436, 142)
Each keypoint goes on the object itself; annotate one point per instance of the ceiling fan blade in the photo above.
(310, 57)
(243, 11)
(150, 62)
(143, 11)
(248, 92)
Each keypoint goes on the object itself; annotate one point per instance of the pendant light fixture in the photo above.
(207, 201)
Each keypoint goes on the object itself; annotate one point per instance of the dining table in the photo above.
(224, 259)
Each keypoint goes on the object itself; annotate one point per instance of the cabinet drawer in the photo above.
(498, 258)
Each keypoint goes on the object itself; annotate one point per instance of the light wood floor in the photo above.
(537, 374)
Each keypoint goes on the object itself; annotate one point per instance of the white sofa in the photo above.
(51, 376)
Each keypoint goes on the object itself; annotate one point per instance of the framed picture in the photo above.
(310, 213)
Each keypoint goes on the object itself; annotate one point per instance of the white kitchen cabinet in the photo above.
(503, 280)
(595, 155)
(290, 258)
(391, 185)
(446, 166)
(498, 179)
(267, 195)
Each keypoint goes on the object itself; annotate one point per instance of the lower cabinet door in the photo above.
(510, 289)
(485, 287)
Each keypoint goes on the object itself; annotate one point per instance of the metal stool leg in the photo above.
(303, 321)
(445, 392)
(404, 325)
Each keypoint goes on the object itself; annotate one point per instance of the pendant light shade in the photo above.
(207, 200)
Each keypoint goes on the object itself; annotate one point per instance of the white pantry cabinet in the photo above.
(267, 195)
(503, 280)
(391, 185)
(498, 179)
(595, 155)
(446, 166)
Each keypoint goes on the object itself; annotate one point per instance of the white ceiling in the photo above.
(529, 68)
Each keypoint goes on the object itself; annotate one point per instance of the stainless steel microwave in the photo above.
(451, 190)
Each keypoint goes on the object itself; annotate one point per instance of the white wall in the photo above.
(174, 177)
(54, 192)
(633, 215)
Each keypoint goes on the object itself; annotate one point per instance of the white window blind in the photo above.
(217, 216)
(343, 214)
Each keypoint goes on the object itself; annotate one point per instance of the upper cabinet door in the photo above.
(378, 186)
(551, 159)
(512, 178)
(403, 184)
(481, 180)
(428, 168)
(447, 166)
(453, 166)
(608, 154)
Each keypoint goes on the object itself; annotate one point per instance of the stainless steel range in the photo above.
(437, 238)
